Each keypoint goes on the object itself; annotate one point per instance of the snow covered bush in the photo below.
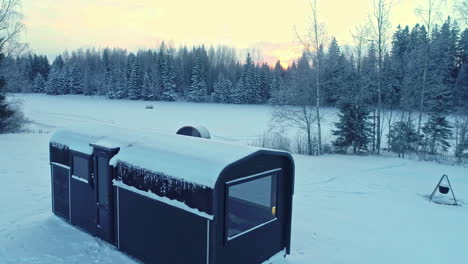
(273, 141)
(402, 138)
(11, 116)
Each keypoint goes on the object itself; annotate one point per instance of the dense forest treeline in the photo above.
(348, 81)
(217, 75)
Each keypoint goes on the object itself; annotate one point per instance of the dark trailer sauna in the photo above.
(174, 199)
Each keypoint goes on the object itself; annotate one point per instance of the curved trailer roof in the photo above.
(180, 168)
(194, 160)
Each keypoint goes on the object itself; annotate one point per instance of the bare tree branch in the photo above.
(10, 27)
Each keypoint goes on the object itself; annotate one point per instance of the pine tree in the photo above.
(135, 78)
(276, 85)
(463, 47)
(147, 89)
(395, 66)
(462, 90)
(437, 130)
(198, 89)
(120, 82)
(246, 86)
(256, 86)
(168, 85)
(74, 80)
(403, 137)
(412, 83)
(58, 63)
(156, 84)
(39, 83)
(333, 73)
(56, 84)
(300, 90)
(222, 90)
(352, 129)
(265, 84)
(237, 95)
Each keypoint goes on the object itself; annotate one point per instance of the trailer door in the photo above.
(103, 192)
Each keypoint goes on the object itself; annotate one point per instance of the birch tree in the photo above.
(11, 27)
(11, 118)
(312, 46)
(427, 14)
(380, 21)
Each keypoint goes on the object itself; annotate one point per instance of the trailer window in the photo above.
(81, 167)
(251, 203)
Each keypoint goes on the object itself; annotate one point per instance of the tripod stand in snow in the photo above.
(443, 188)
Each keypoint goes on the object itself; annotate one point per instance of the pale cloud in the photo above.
(56, 25)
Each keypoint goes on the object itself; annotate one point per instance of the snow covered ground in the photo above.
(347, 209)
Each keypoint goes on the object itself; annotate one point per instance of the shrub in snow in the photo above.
(272, 141)
(149, 107)
(11, 117)
(402, 138)
(302, 145)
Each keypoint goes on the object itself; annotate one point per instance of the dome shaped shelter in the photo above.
(194, 131)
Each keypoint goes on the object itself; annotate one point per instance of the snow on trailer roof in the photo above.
(74, 141)
(191, 159)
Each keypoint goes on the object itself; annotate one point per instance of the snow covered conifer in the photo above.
(437, 130)
(147, 89)
(135, 81)
(168, 85)
(120, 87)
(353, 128)
(246, 86)
(75, 80)
(402, 137)
(333, 72)
(265, 84)
(56, 83)
(39, 84)
(198, 90)
(222, 90)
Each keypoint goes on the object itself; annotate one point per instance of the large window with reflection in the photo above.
(252, 202)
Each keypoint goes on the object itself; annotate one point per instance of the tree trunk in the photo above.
(373, 132)
(379, 90)
(319, 128)
(422, 96)
(424, 80)
(309, 141)
(317, 47)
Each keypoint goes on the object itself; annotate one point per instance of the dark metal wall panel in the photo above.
(61, 191)
(59, 154)
(83, 206)
(155, 232)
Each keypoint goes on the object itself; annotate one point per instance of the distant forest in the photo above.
(217, 75)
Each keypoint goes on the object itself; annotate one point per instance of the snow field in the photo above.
(347, 209)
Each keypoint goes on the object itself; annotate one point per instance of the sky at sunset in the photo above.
(266, 25)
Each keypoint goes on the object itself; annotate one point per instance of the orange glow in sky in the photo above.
(54, 26)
